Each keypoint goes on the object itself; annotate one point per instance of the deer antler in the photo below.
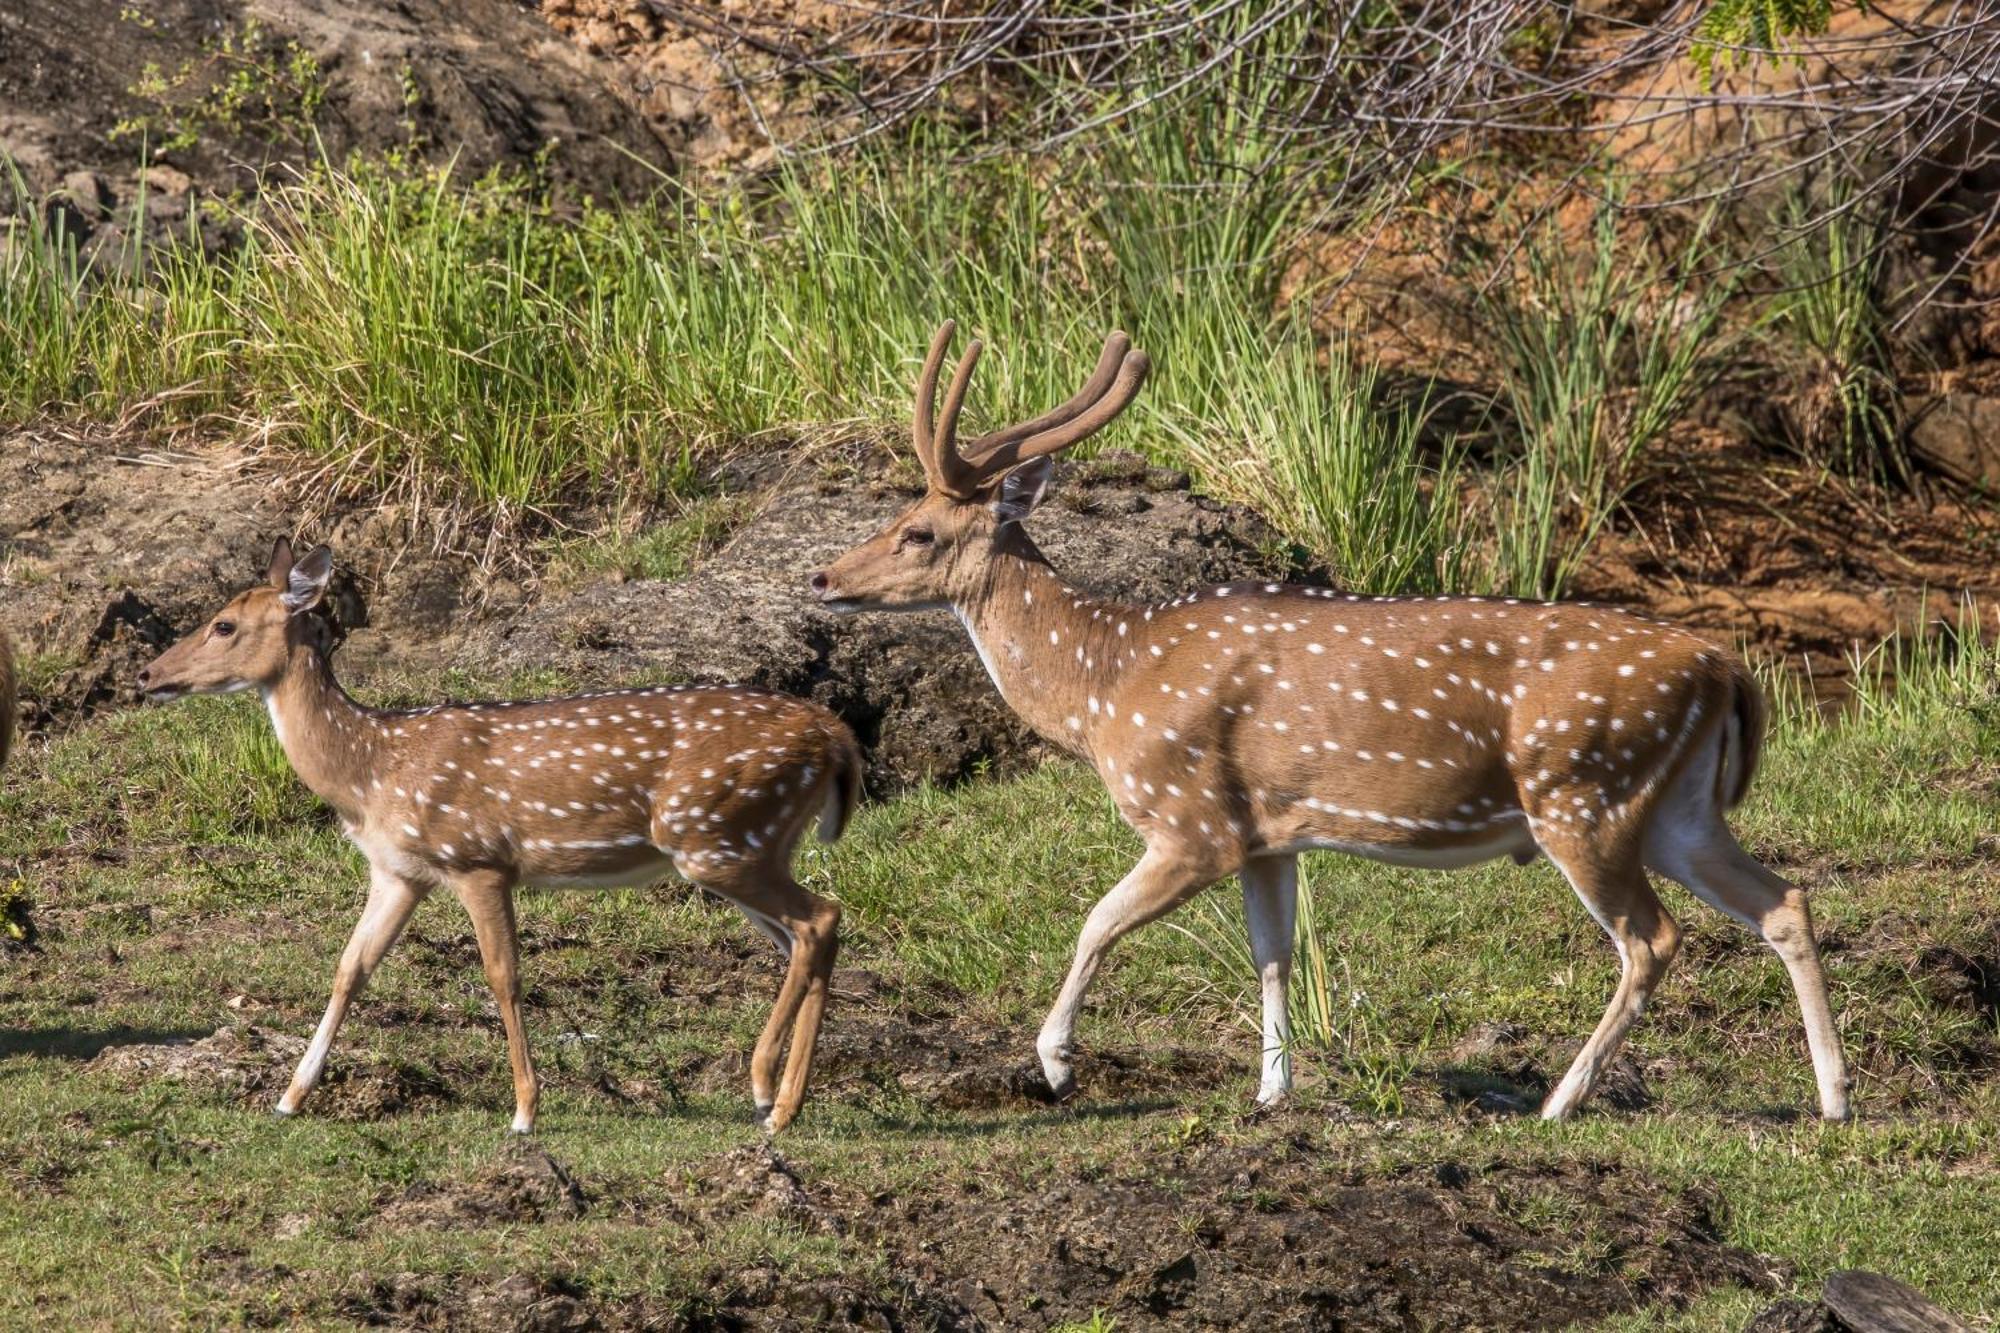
(1110, 389)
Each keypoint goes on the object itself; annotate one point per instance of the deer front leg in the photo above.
(1164, 879)
(1270, 911)
(488, 896)
(391, 901)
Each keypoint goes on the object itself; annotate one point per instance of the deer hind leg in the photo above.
(488, 897)
(1162, 881)
(1612, 884)
(811, 925)
(391, 901)
(1270, 911)
(1701, 853)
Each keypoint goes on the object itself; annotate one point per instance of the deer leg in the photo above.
(810, 927)
(391, 901)
(773, 930)
(488, 897)
(1713, 866)
(819, 938)
(1162, 881)
(1615, 890)
(1270, 911)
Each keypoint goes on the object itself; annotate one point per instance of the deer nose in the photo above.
(145, 676)
(819, 583)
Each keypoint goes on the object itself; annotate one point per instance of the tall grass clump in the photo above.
(1345, 477)
(49, 329)
(1830, 326)
(1196, 220)
(394, 328)
(1594, 367)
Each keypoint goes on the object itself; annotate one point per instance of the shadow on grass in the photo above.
(79, 1045)
(947, 1125)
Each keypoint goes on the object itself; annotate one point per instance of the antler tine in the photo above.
(1124, 388)
(955, 476)
(922, 424)
(1108, 361)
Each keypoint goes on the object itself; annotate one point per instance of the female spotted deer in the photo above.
(617, 788)
(1239, 726)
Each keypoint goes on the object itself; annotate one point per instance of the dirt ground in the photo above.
(1273, 1225)
(114, 544)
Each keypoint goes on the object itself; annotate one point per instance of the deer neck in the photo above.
(1050, 649)
(331, 740)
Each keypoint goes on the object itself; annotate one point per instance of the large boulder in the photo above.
(211, 91)
(910, 685)
(1958, 434)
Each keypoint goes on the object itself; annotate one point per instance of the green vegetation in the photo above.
(243, 81)
(1742, 31)
(201, 877)
(398, 331)
(1595, 368)
(1828, 324)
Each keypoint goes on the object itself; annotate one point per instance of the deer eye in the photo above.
(222, 629)
(917, 537)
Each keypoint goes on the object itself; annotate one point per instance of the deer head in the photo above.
(247, 644)
(937, 551)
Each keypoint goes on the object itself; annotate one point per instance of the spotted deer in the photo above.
(616, 788)
(1241, 725)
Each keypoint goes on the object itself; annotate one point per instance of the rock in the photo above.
(1872, 1303)
(909, 684)
(164, 180)
(90, 194)
(480, 83)
(1959, 435)
(1793, 1317)
(486, 81)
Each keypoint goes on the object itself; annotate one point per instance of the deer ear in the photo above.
(305, 584)
(281, 563)
(1022, 489)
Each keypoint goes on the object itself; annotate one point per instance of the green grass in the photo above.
(1831, 334)
(399, 331)
(200, 872)
(1595, 366)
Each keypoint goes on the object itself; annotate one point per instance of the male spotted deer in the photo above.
(1241, 725)
(616, 788)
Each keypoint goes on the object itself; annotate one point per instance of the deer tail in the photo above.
(1742, 738)
(843, 794)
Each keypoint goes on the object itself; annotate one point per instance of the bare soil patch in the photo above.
(522, 1184)
(217, 91)
(252, 1065)
(1739, 544)
(1274, 1232)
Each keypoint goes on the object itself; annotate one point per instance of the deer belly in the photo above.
(1511, 838)
(1440, 820)
(595, 868)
